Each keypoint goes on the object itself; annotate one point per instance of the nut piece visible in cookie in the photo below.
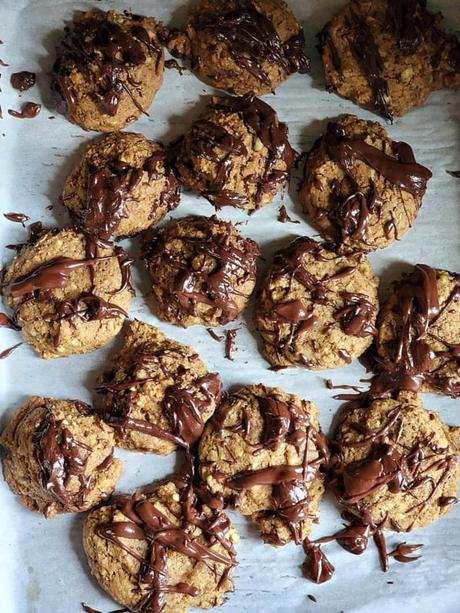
(316, 308)
(361, 189)
(202, 271)
(122, 185)
(108, 69)
(243, 46)
(418, 341)
(394, 463)
(158, 394)
(70, 292)
(161, 551)
(388, 55)
(263, 451)
(236, 154)
(59, 456)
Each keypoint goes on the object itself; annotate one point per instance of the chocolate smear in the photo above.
(30, 110)
(23, 80)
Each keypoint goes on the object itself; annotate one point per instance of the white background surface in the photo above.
(42, 565)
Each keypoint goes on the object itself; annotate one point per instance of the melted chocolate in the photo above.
(105, 54)
(408, 360)
(283, 216)
(30, 110)
(173, 64)
(284, 423)
(454, 173)
(60, 458)
(402, 553)
(16, 217)
(7, 352)
(110, 186)
(23, 80)
(316, 567)
(230, 336)
(225, 267)
(6, 322)
(252, 41)
(144, 521)
(184, 405)
(215, 143)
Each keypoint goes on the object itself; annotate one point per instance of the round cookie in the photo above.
(243, 46)
(158, 394)
(202, 271)
(122, 185)
(161, 551)
(418, 341)
(108, 69)
(388, 55)
(263, 452)
(70, 292)
(394, 463)
(361, 189)
(59, 456)
(316, 308)
(236, 154)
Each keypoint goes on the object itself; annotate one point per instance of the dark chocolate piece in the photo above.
(30, 110)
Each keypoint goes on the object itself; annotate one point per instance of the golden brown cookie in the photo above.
(236, 154)
(388, 55)
(122, 185)
(263, 452)
(394, 463)
(316, 308)
(108, 69)
(161, 551)
(70, 292)
(361, 189)
(243, 46)
(418, 341)
(59, 456)
(158, 394)
(202, 271)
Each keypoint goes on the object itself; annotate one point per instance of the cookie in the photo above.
(158, 394)
(316, 308)
(236, 154)
(388, 55)
(243, 46)
(202, 271)
(162, 551)
(122, 185)
(263, 451)
(59, 456)
(108, 69)
(361, 189)
(70, 292)
(418, 341)
(394, 463)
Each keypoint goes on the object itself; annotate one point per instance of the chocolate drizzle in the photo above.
(284, 423)
(16, 217)
(143, 521)
(184, 404)
(61, 458)
(7, 352)
(252, 41)
(208, 270)
(39, 283)
(407, 360)
(290, 319)
(111, 185)
(215, 143)
(352, 214)
(106, 54)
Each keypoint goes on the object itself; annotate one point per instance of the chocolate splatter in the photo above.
(16, 217)
(7, 352)
(230, 336)
(30, 110)
(283, 216)
(23, 80)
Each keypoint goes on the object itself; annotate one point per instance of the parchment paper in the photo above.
(42, 565)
